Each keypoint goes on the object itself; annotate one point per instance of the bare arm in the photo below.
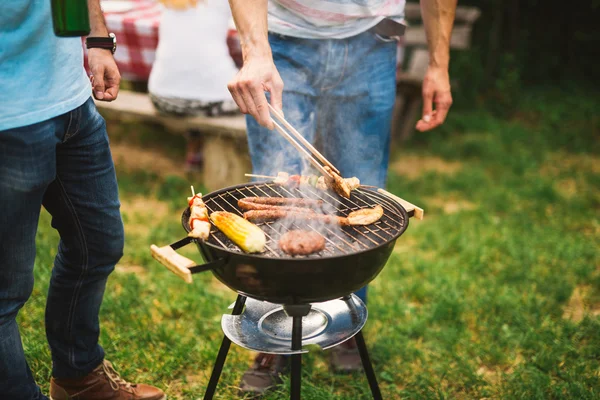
(438, 18)
(105, 74)
(97, 22)
(258, 74)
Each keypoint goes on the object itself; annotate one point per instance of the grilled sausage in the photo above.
(285, 201)
(299, 242)
(277, 213)
(247, 205)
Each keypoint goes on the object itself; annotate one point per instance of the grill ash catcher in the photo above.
(287, 302)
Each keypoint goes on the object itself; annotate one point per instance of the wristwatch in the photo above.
(108, 43)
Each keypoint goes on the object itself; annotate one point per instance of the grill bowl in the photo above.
(278, 278)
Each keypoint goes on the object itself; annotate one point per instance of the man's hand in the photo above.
(257, 76)
(105, 74)
(436, 90)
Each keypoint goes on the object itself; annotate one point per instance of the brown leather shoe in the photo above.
(263, 375)
(103, 383)
(345, 357)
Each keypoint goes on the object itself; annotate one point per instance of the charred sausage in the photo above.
(247, 205)
(285, 201)
(277, 213)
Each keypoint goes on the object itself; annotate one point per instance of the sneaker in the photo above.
(345, 357)
(264, 374)
(103, 383)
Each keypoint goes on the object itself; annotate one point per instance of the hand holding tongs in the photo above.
(306, 153)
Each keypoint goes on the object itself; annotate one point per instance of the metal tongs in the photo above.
(305, 144)
(409, 207)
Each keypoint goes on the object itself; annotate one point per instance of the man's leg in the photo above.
(356, 130)
(84, 204)
(356, 126)
(27, 166)
(271, 153)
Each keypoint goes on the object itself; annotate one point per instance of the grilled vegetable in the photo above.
(245, 234)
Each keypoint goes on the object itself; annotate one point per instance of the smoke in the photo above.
(327, 230)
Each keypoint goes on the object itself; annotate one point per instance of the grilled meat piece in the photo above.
(353, 183)
(299, 242)
(337, 183)
(307, 216)
(321, 185)
(365, 216)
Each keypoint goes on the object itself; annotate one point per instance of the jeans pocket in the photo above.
(383, 39)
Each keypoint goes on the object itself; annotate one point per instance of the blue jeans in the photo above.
(339, 94)
(65, 165)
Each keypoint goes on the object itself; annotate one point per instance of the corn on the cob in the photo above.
(245, 234)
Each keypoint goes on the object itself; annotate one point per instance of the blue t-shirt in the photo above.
(41, 75)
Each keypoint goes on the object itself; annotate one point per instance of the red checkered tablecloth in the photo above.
(136, 30)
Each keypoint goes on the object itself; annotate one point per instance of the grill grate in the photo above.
(338, 240)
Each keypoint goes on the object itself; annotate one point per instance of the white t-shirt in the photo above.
(192, 59)
(330, 19)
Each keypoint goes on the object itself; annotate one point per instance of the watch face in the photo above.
(114, 39)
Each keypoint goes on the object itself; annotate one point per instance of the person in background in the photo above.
(192, 65)
(54, 152)
(337, 59)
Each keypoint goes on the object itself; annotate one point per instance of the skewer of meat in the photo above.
(293, 181)
(199, 222)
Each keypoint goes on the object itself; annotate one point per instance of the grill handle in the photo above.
(417, 211)
(181, 266)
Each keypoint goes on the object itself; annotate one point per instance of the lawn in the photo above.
(496, 294)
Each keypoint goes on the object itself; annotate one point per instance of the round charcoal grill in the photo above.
(352, 257)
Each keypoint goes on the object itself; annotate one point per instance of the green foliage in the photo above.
(518, 44)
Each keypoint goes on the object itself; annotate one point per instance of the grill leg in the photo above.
(222, 355)
(295, 383)
(367, 366)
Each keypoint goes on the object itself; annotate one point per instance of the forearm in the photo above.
(250, 18)
(97, 23)
(438, 18)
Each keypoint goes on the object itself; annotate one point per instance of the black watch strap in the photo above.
(108, 43)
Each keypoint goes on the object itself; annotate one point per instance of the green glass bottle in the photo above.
(70, 18)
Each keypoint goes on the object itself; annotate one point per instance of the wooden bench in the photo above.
(409, 99)
(226, 156)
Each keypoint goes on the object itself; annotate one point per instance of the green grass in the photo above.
(496, 296)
